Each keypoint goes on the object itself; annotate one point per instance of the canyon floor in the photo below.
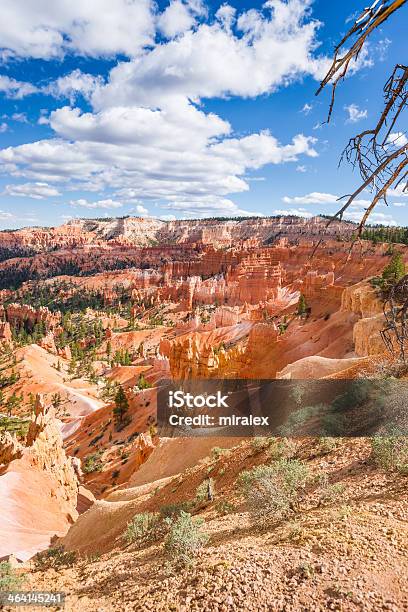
(95, 316)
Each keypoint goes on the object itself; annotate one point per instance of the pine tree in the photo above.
(13, 401)
(302, 306)
(143, 383)
(393, 272)
(121, 405)
(56, 401)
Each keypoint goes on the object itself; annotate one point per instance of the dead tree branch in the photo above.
(380, 154)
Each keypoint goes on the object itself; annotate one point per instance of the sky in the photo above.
(183, 109)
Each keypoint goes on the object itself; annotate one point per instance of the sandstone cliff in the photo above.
(38, 489)
(363, 300)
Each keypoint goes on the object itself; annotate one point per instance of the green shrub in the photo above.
(391, 453)
(143, 383)
(298, 420)
(143, 528)
(185, 539)
(9, 580)
(271, 490)
(224, 507)
(216, 452)
(259, 443)
(173, 510)
(205, 491)
(327, 444)
(278, 448)
(92, 463)
(283, 448)
(330, 493)
(55, 558)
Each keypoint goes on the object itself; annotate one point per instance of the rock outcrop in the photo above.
(38, 489)
(17, 314)
(367, 336)
(362, 299)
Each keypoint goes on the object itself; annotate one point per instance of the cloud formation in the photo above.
(16, 89)
(93, 28)
(146, 134)
(82, 203)
(36, 191)
(297, 212)
(312, 198)
(355, 114)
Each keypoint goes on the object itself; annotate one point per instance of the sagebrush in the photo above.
(185, 539)
(271, 490)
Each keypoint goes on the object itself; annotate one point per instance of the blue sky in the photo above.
(181, 109)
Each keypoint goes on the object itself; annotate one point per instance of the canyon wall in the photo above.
(35, 475)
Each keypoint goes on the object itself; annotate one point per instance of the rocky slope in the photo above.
(344, 552)
(39, 488)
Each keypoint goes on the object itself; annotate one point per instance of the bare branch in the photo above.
(379, 154)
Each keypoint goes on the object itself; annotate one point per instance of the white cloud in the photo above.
(226, 16)
(20, 117)
(306, 108)
(91, 27)
(398, 139)
(298, 212)
(141, 209)
(3, 127)
(312, 198)
(159, 161)
(399, 204)
(43, 120)
(355, 113)
(179, 17)
(74, 83)
(177, 128)
(361, 204)
(258, 150)
(265, 50)
(146, 137)
(15, 89)
(37, 191)
(398, 192)
(208, 206)
(99, 204)
(373, 219)
(301, 168)
(5, 215)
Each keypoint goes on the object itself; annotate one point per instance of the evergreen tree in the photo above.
(302, 306)
(143, 383)
(121, 405)
(393, 272)
(12, 403)
(56, 401)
